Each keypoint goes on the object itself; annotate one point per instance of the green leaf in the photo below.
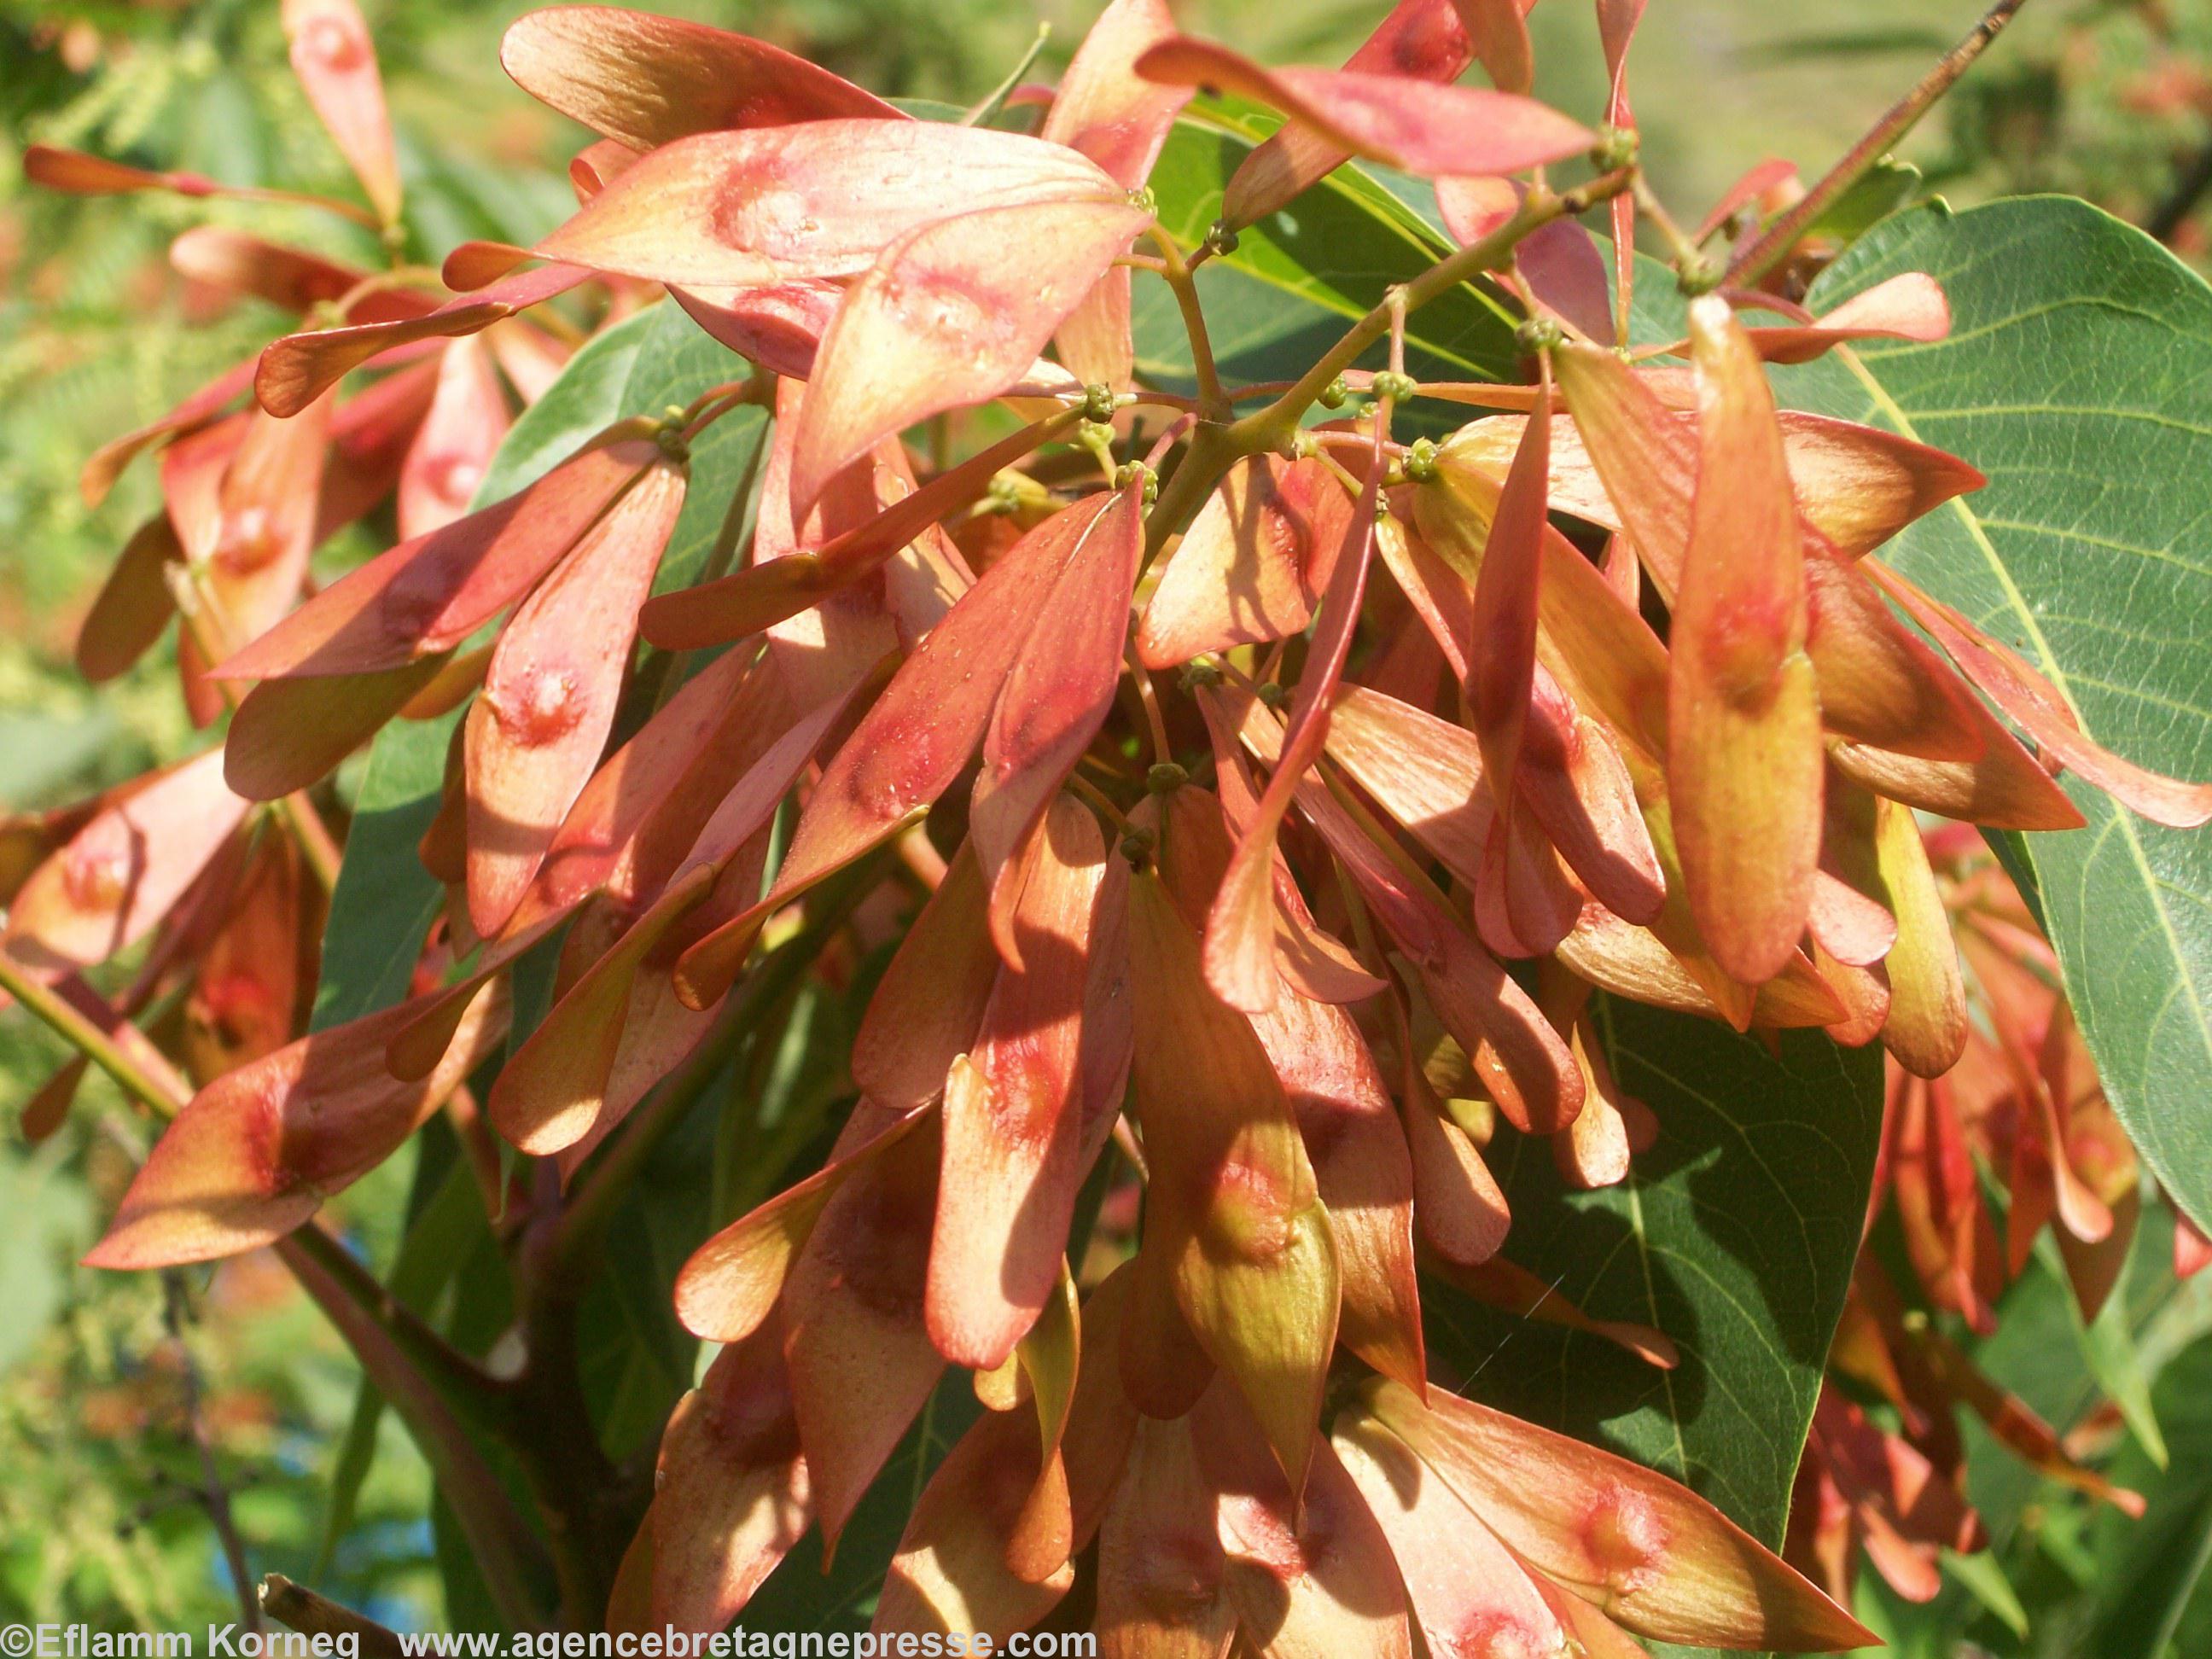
(2035, 1353)
(2075, 376)
(449, 1214)
(2108, 1348)
(2152, 1585)
(1297, 278)
(1735, 1235)
(1880, 192)
(587, 396)
(386, 900)
(1986, 1582)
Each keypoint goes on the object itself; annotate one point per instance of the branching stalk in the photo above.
(1271, 427)
(1213, 404)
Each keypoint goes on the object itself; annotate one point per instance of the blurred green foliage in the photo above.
(104, 1509)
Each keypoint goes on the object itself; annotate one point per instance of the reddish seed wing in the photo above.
(915, 740)
(1104, 108)
(1094, 340)
(1013, 1127)
(252, 547)
(822, 198)
(556, 1090)
(1310, 1573)
(1524, 1065)
(1744, 776)
(133, 605)
(293, 371)
(1465, 1586)
(1251, 565)
(1501, 1284)
(929, 1006)
(1461, 1213)
(335, 63)
(2005, 788)
(535, 733)
(1858, 485)
(1057, 694)
(428, 595)
(1350, 1130)
(1419, 39)
(289, 734)
(1496, 30)
(860, 1358)
(1161, 1568)
(125, 870)
(1655, 1556)
(289, 277)
(952, 1572)
(1630, 462)
(732, 1496)
(82, 174)
(1236, 1213)
(1240, 931)
(1427, 130)
(779, 326)
(1926, 1029)
(256, 1152)
(1559, 262)
(449, 456)
(1504, 639)
(1880, 682)
(1362, 1172)
(1120, 120)
(1908, 307)
(731, 1283)
(1426, 773)
(646, 80)
(2042, 712)
(951, 314)
(750, 600)
(106, 462)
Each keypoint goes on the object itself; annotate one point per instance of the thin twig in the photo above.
(506, 1551)
(1773, 245)
(215, 1496)
(995, 100)
(1148, 695)
(297, 1607)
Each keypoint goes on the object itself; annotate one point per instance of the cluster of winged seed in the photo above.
(1262, 802)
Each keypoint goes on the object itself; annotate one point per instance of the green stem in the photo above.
(1213, 402)
(453, 1373)
(1205, 458)
(506, 1551)
(995, 100)
(1271, 427)
(76, 1029)
(1773, 245)
(1214, 447)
